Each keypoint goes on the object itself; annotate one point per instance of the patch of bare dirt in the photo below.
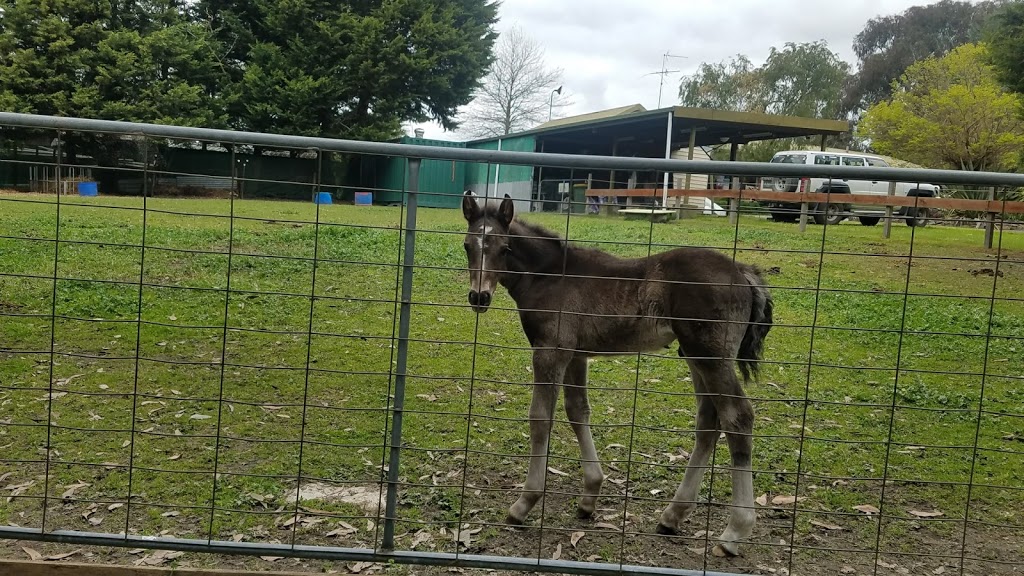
(841, 545)
(370, 499)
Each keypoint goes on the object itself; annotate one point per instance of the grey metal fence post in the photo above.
(408, 254)
(887, 231)
(734, 203)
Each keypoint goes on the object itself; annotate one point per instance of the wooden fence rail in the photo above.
(990, 208)
(987, 206)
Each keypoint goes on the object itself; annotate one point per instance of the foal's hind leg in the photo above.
(548, 371)
(736, 418)
(685, 500)
(577, 408)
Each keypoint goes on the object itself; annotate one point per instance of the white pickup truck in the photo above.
(836, 212)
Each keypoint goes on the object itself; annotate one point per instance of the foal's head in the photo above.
(486, 246)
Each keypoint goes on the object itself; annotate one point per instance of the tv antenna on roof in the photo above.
(664, 72)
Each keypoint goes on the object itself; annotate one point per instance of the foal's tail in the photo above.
(760, 323)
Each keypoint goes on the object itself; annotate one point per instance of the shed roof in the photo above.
(592, 116)
(596, 132)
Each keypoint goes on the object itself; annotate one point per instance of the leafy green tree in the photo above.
(141, 61)
(888, 45)
(804, 80)
(355, 69)
(44, 50)
(949, 112)
(798, 80)
(1005, 40)
(129, 60)
(734, 85)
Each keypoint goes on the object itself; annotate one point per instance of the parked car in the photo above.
(836, 212)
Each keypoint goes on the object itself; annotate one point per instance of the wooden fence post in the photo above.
(887, 229)
(990, 226)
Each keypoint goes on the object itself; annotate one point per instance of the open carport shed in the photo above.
(635, 131)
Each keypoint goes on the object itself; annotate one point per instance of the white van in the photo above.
(869, 215)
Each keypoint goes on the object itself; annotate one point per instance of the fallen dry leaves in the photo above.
(421, 537)
(65, 381)
(64, 556)
(465, 536)
(787, 500)
(826, 525)
(70, 490)
(344, 530)
(157, 558)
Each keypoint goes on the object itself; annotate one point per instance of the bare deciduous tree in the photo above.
(517, 92)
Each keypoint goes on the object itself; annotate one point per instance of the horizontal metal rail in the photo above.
(342, 554)
(545, 159)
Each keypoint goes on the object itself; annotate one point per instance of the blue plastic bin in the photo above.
(364, 198)
(88, 189)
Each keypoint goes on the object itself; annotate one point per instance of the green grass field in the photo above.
(256, 401)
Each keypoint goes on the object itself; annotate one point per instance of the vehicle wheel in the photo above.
(830, 214)
(917, 217)
(784, 215)
(786, 184)
(869, 220)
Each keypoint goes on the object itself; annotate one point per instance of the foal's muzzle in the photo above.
(479, 300)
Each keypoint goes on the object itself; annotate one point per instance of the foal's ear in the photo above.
(470, 209)
(507, 211)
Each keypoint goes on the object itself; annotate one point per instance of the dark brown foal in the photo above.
(577, 302)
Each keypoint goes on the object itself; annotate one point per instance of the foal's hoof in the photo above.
(582, 514)
(513, 521)
(665, 530)
(726, 549)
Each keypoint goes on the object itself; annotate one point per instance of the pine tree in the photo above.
(355, 69)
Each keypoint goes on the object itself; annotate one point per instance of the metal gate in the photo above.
(305, 380)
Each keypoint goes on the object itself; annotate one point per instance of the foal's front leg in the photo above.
(577, 408)
(548, 371)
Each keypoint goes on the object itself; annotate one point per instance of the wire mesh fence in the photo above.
(309, 380)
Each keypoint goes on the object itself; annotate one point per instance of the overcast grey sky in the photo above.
(606, 46)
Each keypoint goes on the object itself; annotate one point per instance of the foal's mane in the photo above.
(540, 249)
(536, 232)
(534, 246)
